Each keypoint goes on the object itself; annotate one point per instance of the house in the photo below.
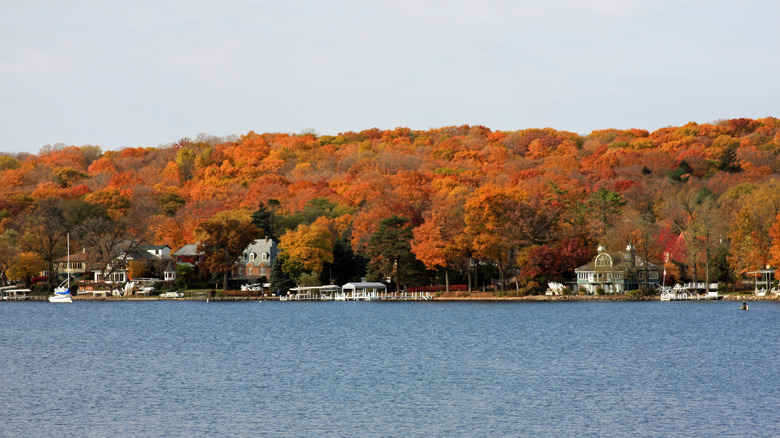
(162, 251)
(617, 272)
(256, 262)
(156, 258)
(78, 265)
(188, 255)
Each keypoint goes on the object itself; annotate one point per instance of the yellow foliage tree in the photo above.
(307, 249)
(27, 266)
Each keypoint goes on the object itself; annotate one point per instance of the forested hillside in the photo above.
(530, 205)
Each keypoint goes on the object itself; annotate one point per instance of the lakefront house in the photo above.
(617, 272)
(253, 266)
(156, 257)
(256, 261)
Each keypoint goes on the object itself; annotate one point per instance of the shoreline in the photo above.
(481, 298)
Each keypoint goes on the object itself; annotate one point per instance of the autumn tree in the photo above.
(138, 269)
(222, 241)
(185, 162)
(749, 233)
(9, 252)
(45, 233)
(108, 242)
(438, 242)
(307, 248)
(27, 265)
(488, 218)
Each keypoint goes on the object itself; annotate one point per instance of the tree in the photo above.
(347, 265)
(222, 241)
(750, 238)
(45, 234)
(265, 219)
(607, 205)
(488, 218)
(185, 162)
(308, 248)
(8, 253)
(108, 242)
(138, 269)
(390, 250)
(280, 281)
(728, 161)
(27, 266)
(437, 242)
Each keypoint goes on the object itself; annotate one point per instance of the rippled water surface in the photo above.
(389, 369)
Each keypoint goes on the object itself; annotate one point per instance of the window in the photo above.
(603, 259)
(264, 257)
(252, 257)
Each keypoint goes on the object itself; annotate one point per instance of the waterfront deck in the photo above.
(13, 293)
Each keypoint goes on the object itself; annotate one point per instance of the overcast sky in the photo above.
(145, 73)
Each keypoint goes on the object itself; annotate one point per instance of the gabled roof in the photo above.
(190, 249)
(259, 247)
(152, 247)
(615, 262)
(77, 257)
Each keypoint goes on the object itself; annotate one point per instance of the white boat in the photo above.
(61, 296)
(62, 292)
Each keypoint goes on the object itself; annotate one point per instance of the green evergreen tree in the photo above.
(391, 251)
(728, 161)
(265, 219)
(347, 265)
(280, 281)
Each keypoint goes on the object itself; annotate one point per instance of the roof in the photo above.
(258, 247)
(620, 262)
(77, 257)
(190, 249)
(152, 247)
(364, 284)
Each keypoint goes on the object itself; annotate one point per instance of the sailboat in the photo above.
(62, 292)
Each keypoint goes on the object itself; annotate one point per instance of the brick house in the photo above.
(255, 263)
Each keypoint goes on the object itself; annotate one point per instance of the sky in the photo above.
(145, 73)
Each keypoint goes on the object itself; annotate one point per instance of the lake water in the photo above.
(389, 369)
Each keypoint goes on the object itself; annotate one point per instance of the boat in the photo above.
(62, 292)
(61, 295)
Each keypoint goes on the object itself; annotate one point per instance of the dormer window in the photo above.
(252, 257)
(264, 257)
(603, 260)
